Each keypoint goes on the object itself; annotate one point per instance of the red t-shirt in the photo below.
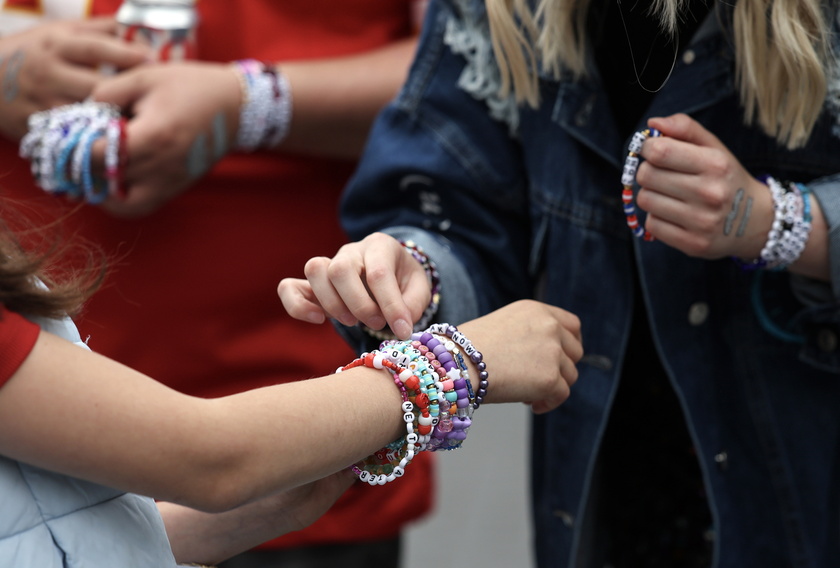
(17, 338)
(191, 299)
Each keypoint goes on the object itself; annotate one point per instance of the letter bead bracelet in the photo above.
(437, 397)
(628, 179)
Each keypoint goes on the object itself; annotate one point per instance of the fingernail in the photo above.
(314, 317)
(402, 329)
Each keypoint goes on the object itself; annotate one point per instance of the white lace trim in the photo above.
(481, 77)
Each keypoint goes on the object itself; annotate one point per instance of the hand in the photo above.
(183, 119)
(698, 197)
(374, 281)
(212, 537)
(531, 350)
(57, 63)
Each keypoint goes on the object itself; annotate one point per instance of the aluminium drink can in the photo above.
(167, 26)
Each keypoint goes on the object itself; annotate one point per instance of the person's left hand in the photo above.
(183, 119)
(697, 195)
(209, 538)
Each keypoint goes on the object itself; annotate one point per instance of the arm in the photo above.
(78, 413)
(185, 116)
(209, 538)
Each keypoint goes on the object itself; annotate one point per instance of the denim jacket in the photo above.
(519, 202)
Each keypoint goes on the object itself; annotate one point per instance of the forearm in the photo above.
(336, 100)
(208, 538)
(78, 413)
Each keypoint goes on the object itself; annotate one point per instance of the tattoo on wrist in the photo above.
(10, 75)
(733, 212)
(742, 227)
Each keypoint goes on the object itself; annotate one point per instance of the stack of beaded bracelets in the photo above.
(266, 110)
(791, 226)
(58, 144)
(628, 178)
(434, 281)
(437, 393)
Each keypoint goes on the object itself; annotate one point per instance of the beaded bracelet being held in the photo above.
(788, 234)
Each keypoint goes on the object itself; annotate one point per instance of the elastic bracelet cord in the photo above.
(430, 268)
(266, 111)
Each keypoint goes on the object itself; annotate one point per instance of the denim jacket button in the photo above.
(567, 518)
(698, 313)
(688, 56)
(827, 340)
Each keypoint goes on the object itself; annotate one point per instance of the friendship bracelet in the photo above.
(388, 464)
(474, 354)
(266, 111)
(628, 179)
(59, 141)
(790, 230)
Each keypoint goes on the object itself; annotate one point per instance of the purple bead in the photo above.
(445, 357)
(482, 376)
(462, 402)
(482, 366)
(476, 357)
(459, 383)
(425, 337)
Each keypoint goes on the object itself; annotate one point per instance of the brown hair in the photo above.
(42, 273)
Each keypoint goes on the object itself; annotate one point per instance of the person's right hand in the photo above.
(57, 63)
(374, 281)
(531, 350)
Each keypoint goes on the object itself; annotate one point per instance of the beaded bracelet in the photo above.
(474, 354)
(790, 230)
(266, 111)
(59, 141)
(628, 178)
(388, 464)
(430, 268)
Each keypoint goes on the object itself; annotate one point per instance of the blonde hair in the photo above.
(782, 54)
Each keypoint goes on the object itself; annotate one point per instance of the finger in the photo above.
(665, 177)
(74, 83)
(683, 127)
(319, 273)
(122, 90)
(300, 301)
(396, 281)
(676, 155)
(97, 24)
(677, 236)
(93, 50)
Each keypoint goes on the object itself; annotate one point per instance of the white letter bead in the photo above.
(637, 142)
